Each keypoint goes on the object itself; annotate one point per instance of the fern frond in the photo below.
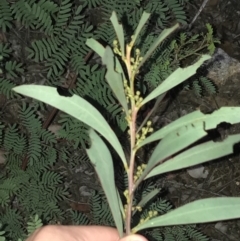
(155, 234)
(63, 154)
(34, 148)
(77, 62)
(208, 85)
(11, 138)
(74, 25)
(51, 178)
(8, 187)
(29, 119)
(105, 32)
(35, 15)
(160, 11)
(13, 69)
(52, 212)
(79, 218)
(33, 224)
(13, 162)
(47, 137)
(22, 144)
(43, 49)
(12, 221)
(195, 234)
(71, 128)
(93, 3)
(5, 50)
(54, 193)
(160, 205)
(100, 211)
(197, 88)
(62, 17)
(58, 61)
(5, 16)
(6, 88)
(177, 10)
(49, 157)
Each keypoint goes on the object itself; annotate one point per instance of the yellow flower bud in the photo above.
(149, 123)
(150, 129)
(142, 220)
(144, 166)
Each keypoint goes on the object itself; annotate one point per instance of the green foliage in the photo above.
(37, 185)
(34, 15)
(100, 211)
(172, 148)
(11, 69)
(79, 218)
(34, 223)
(5, 50)
(5, 16)
(12, 222)
(174, 53)
(6, 88)
(60, 30)
(176, 233)
(2, 238)
(101, 215)
(64, 32)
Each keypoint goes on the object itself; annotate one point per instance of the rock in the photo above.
(222, 67)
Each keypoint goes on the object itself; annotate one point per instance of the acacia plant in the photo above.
(175, 149)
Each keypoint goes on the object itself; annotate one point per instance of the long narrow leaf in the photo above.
(225, 114)
(121, 205)
(196, 155)
(143, 20)
(101, 159)
(115, 73)
(114, 78)
(173, 143)
(164, 34)
(146, 199)
(96, 46)
(200, 211)
(119, 31)
(76, 107)
(176, 78)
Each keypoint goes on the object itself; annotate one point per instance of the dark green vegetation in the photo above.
(30, 184)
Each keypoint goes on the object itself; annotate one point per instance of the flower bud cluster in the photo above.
(139, 172)
(144, 132)
(151, 214)
(116, 48)
(135, 62)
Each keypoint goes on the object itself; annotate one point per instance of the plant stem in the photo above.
(132, 129)
(131, 171)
